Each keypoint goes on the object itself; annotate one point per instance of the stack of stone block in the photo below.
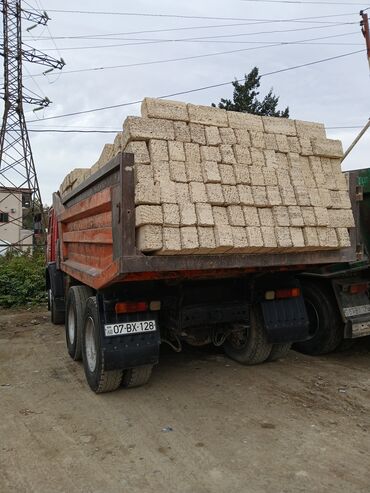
(211, 181)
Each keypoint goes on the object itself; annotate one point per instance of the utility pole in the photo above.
(365, 31)
(18, 177)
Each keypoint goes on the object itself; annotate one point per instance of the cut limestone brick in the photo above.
(204, 215)
(206, 115)
(242, 154)
(215, 194)
(318, 172)
(268, 236)
(288, 195)
(283, 177)
(283, 237)
(270, 158)
(302, 196)
(269, 175)
(176, 151)
(210, 153)
(182, 132)
(171, 241)
(140, 152)
(258, 139)
(207, 242)
(240, 240)
(251, 216)
(158, 150)
(242, 136)
(296, 176)
(143, 172)
(197, 133)
(227, 154)
(257, 177)
(294, 159)
(325, 197)
(161, 170)
(211, 172)
(306, 146)
(295, 216)
(168, 191)
(270, 141)
(245, 195)
(187, 214)
(192, 152)
(273, 196)
(236, 216)
(343, 237)
(182, 192)
(327, 148)
(148, 214)
(282, 143)
(281, 215)
(136, 128)
(197, 192)
(227, 136)
(322, 217)
(257, 156)
(310, 130)
(344, 199)
(242, 174)
(279, 125)
(159, 108)
(309, 217)
(231, 194)
(297, 237)
(329, 174)
(171, 215)
(193, 171)
(227, 174)
(245, 120)
(294, 145)
(178, 171)
(315, 197)
(265, 216)
(220, 216)
(213, 137)
(260, 196)
(282, 160)
(327, 237)
(147, 192)
(189, 239)
(310, 237)
(341, 218)
(149, 238)
(224, 238)
(254, 237)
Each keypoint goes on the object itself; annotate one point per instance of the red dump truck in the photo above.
(119, 305)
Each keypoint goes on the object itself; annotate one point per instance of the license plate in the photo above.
(129, 328)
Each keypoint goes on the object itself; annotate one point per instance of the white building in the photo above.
(13, 204)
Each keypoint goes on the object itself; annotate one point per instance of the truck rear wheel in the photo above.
(75, 308)
(249, 346)
(135, 377)
(326, 327)
(279, 351)
(99, 379)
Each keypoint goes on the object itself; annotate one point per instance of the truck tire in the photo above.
(326, 327)
(279, 351)
(99, 379)
(75, 308)
(57, 316)
(135, 377)
(252, 348)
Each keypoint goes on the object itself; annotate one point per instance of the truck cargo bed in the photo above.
(97, 238)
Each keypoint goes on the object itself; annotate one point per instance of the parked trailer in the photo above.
(119, 305)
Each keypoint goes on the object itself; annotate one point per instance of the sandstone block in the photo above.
(182, 192)
(242, 137)
(178, 171)
(231, 194)
(309, 217)
(282, 143)
(189, 239)
(206, 115)
(245, 121)
(297, 237)
(329, 174)
(204, 215)
(302, 196)
(251, 216)
(207, 240)
(288, 195)
(266, 217)
(245, 194)
(147, 193)
(223, 238)
(143, 172)
(213, 136)
(283, 237)
(260, 196)
(318, 172)
(270, 158)
(310, 130)
(171, 215)
(327, 148)
(158, 150)
(308, 176)
(268, 236)
(242, 174)
(236, 216)
(343, 237)
(197, 192)
(227, 136)
(168, 191)
(341, 181)
(149, 238)
(227, 154)
(242, 154)
(281, 215)
(325, 197)
(193, 171)
(164, 109)
(171, 241)
(296, 177)
(294, 145)
(192, 152)
(136, 128)
(215, 194)
(240, 239)
(270, 142)
(210, 153)
(314, 197)
(161, 170)
(211, 172)
(140, 152)
(322, 217)
(269, 175)
(257, 177)
(187, 214)
(273, 196)
(220, 216)
(306, 147)
(294, 159)
(310, 237)
(341, 218)
(327, 238)
(295, 216)
(148, 214)
(197, 133)
(275, 125)
(257, 156)
(227, 174)
(282, 160)
(182, 132)
(344, 199)
(254, 237)
(257, 139)
(176, 151)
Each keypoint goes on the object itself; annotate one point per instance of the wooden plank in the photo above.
(97, 203)
(97, 235)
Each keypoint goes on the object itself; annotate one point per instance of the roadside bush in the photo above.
(22, 279)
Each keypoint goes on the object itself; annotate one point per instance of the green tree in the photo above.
(245, 98)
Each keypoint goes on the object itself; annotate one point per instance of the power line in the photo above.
(212, 86)
(304, 2)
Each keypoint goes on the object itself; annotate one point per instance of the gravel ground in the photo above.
(202, 424)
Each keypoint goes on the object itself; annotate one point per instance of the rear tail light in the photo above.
(358, 288)
(281, 294)
(131, 306)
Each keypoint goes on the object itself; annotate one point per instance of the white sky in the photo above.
(334, 92)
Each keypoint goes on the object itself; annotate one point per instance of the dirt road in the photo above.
(298, 425)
